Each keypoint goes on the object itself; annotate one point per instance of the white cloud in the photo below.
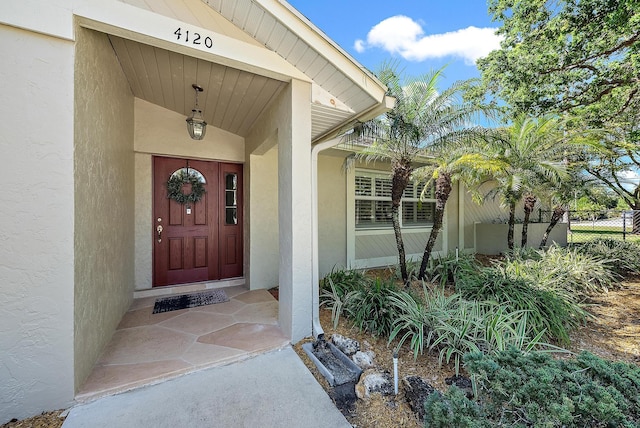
(404, 36)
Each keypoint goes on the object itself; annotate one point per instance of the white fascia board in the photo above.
(53, 17)
(130, 22)
(313, 36)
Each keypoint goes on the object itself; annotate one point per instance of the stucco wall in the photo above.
(263, 239)
(492, 238)
(452, 220)
(159, 131)
(332, 213)
(104, 197)
(36, 213)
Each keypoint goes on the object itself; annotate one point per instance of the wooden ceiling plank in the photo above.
(122, 53)
(190, 77)
(225, 95)
(237, 100)
(268, 92)
(137, 60)
(166, 82)
(176, 64)
(153, 74)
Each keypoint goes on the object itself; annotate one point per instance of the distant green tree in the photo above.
(558, 55)
(579, 59)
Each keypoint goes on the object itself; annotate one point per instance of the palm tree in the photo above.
(531, 152)
(421, 116)
(457, 160)
(559, 195)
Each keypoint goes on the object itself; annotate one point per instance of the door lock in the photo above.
(159, 230)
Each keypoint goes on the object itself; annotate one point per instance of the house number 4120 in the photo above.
(193, 38)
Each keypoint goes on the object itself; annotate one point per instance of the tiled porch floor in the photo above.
(147, 348)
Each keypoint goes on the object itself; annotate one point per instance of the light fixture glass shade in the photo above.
(196, 125)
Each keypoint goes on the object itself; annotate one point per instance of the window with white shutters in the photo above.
(373, 202)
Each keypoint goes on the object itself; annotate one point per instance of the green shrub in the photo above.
(413, 269)
(343, 280)
(366, 302)
(548, 311)
(567, 271)
(623, 257)
(443, 269)
(335, 289)
(370, 306)
(454, 326)
(521, 390)
(453, 409)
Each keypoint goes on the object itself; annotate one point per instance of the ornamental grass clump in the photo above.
(364, 301)
(519, 389)
(370, 307)
(453, 326)
(573, 274)
(336, 289)
(623, 257)
(443, 269)
(549, 312)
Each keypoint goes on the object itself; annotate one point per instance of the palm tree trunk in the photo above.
(529, 204)
(558, 212)
(402, 258)
(512, 222)
(442, 192)
(399, 181)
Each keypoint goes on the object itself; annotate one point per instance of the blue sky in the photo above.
(422, 35)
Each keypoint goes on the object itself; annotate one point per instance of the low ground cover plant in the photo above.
(623, 257)
(566, 270)
(495, 321)
(549, 313)
(453, 326)
(518, 389)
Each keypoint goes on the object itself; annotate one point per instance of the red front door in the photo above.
(201, 241)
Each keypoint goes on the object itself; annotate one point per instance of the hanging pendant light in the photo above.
(196, 125)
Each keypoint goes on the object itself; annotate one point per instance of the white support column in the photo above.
(294, 212)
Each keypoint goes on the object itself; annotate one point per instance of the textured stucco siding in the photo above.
(104, 198)
(332, 214)
(36, 213)
(492, 238)
(263, 240)
(159, 131)
(384, 245)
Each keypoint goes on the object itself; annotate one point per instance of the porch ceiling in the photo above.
(232, 99)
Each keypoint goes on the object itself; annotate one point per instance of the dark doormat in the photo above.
(192, 300)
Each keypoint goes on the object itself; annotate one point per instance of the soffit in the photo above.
(356, 88)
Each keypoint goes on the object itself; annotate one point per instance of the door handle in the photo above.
(159, 230)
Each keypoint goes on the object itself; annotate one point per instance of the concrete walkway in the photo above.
(270, 390)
